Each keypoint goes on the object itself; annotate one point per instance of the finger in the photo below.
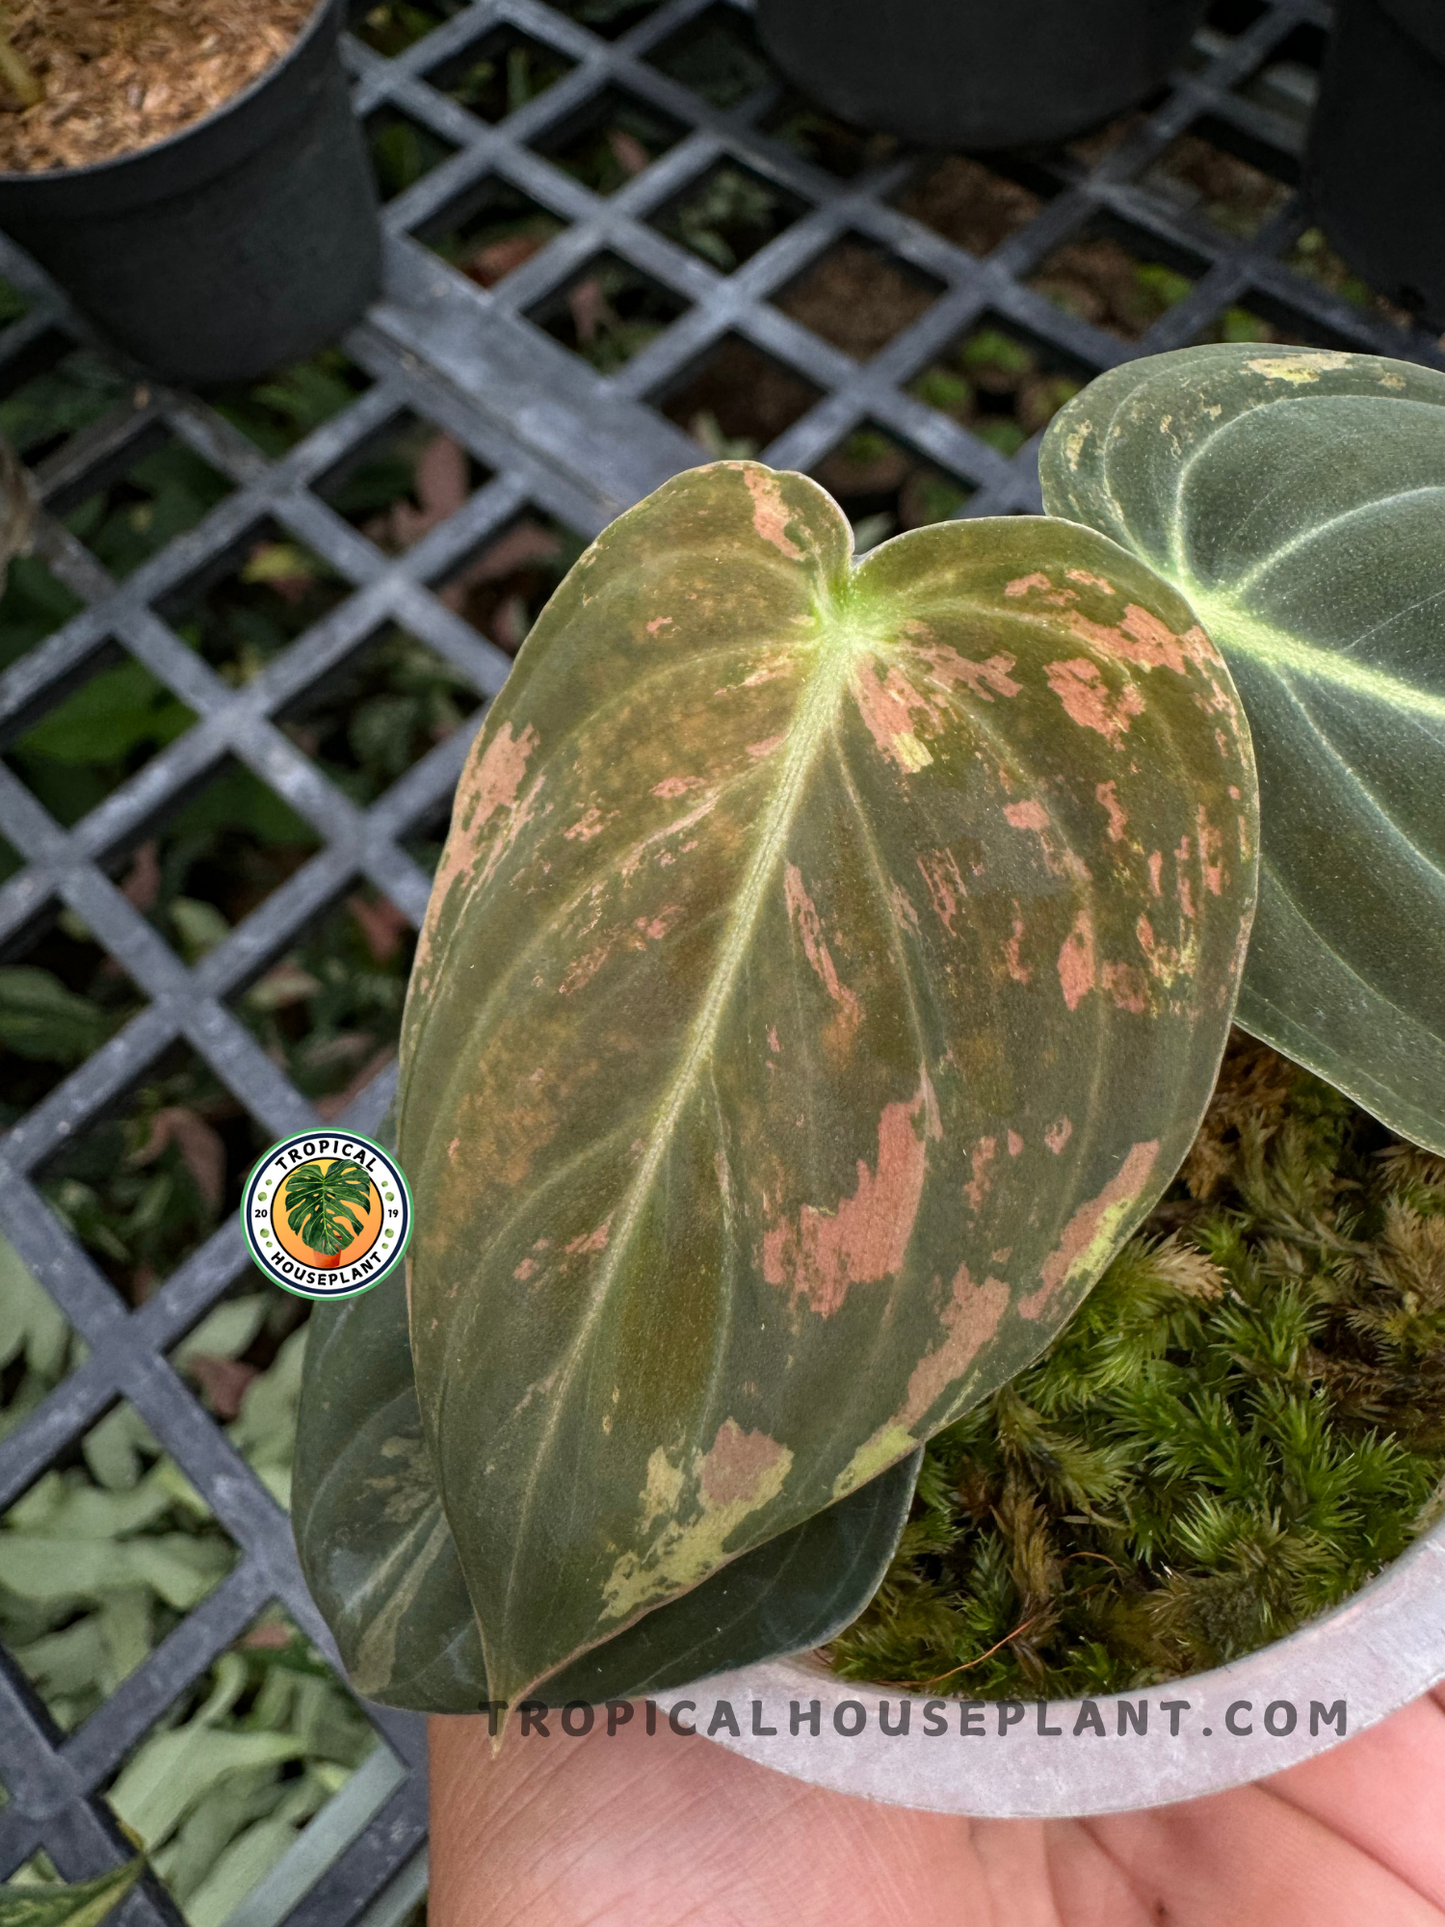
(1250, 1856)
(1382, 1791)
(640, 1830)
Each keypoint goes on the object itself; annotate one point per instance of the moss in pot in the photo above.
(1012, 827)
(1243, 1424)
(195, 181)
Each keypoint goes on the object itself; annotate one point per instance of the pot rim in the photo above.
(106, 169)
(1380, 1649)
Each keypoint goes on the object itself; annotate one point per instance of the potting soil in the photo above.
(118, 75)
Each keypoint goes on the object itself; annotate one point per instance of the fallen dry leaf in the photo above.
(443, 477)
(523, 543)
(442, 484)
(589, 308)
(381, 923)
(202, 1151)
(627, 150)
(143, 879)
(223, 1380)
(497, 259)
(266, 1638)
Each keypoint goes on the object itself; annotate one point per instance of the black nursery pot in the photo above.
(977, 73)
(1377, 148)
(244, 242)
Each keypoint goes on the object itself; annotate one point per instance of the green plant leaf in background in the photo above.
(382, 1564)
(85, 1904)
(1296, 497)
(31, 1323)
(219, 1795)
(322, 1202)
(107, 717)
(41, 1019)
(827, 968)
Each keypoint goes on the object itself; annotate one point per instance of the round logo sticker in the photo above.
(326, 1214)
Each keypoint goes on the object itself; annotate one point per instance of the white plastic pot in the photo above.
(1056, 1759)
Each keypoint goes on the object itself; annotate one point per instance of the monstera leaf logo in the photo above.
(326, 1217)
(322, 1202)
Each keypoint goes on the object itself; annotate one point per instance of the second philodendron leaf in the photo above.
(382, 1564)
(827, 968)
(1297, 498)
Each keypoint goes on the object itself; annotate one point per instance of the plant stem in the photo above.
(16, 75)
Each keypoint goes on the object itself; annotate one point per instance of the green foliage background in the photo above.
(105, 1554)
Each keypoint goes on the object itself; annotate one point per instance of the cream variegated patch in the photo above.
(741, 1474)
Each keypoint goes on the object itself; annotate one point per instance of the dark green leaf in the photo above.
(34, 603)
(41, 1019)
(1296, 497)
(383, 1566)
(112, 714)
(827, 968)
(70, 396)
(239, 799)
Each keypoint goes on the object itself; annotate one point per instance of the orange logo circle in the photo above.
(326, 1214)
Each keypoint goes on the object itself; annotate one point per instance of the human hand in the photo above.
(667, 1831)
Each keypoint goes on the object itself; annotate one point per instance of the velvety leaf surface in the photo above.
(382, 1565)
(86, 1904)
(827, 968)
(374, 1545)
(1297, 498)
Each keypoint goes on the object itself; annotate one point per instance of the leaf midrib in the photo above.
(1233, 628)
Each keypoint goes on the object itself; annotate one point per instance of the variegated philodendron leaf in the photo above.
(827, 968)
(383, 1567)
(1297, 499)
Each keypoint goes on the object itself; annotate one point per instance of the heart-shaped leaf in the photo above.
(382, 1565)
(827, 968)
(1296, 497)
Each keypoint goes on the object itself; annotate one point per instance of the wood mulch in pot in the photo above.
(118, 75)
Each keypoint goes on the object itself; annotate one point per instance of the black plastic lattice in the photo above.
(495, 368)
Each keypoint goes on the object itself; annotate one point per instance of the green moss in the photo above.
(1242, 1425)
